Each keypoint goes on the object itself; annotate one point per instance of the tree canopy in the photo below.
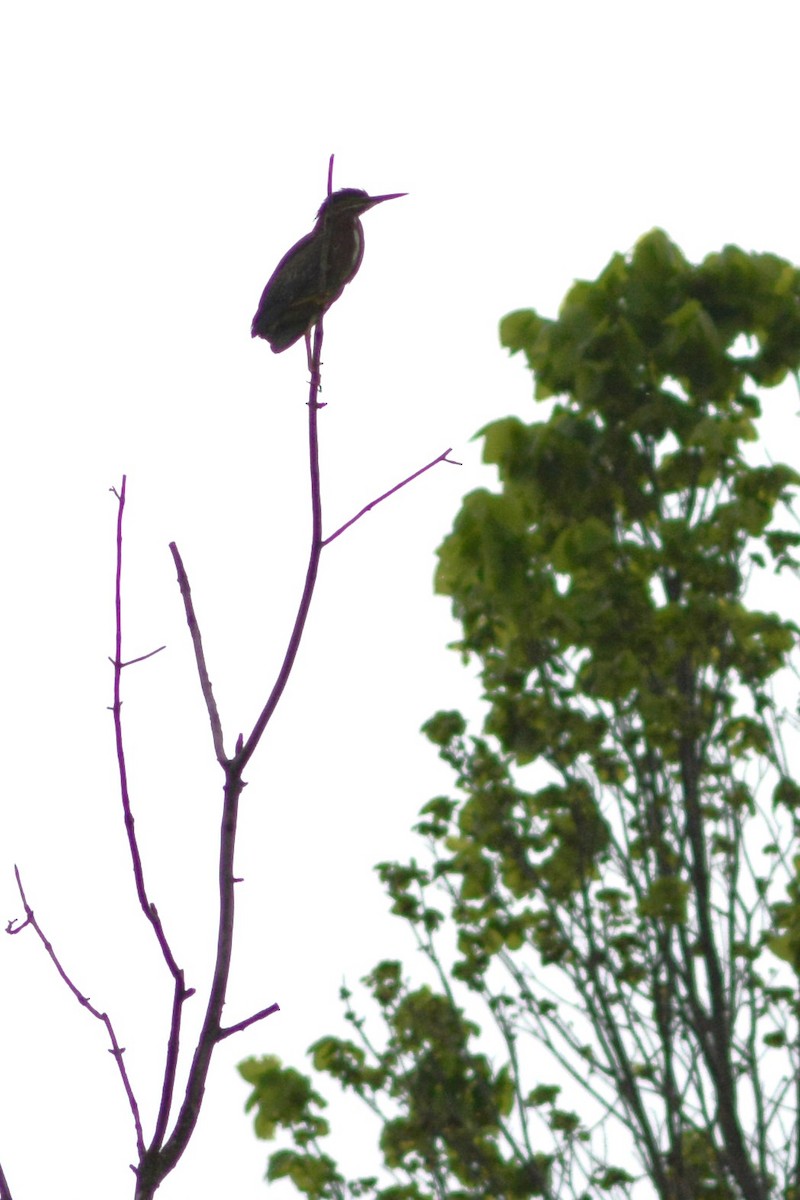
(618, 868)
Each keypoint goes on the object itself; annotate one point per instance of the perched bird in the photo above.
(313, 274)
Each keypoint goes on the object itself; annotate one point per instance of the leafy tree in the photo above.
(619, 866)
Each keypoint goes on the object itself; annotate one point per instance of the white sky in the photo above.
(157, 160)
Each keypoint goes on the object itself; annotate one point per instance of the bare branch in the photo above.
(180, 992)
(116, 1050)
(373, 503)
(140, 658)
(5, 1190)
(148, 908)
(227, 1030)
(202, 670)
(244, 755)
(158, 1160)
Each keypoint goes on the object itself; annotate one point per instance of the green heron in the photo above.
(313, 274)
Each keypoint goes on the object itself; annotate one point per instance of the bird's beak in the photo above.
(373, 200)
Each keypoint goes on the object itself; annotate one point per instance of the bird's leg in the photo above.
(313, 365)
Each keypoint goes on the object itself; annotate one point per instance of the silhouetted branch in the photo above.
(372, 504)
(159, 1160)
(202, 671)
(116, 1050)
(148, 908)
(180, 993)
(240, 1025)
(245, 754)
(5, 1190)
(129, 662)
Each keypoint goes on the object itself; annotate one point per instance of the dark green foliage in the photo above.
(624, 904)
(450, 1104)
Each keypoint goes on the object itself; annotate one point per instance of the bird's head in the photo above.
(352, 202)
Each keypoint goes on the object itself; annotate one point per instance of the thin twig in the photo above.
(116, 1050)
(180, 993)
(202, 671)
(148, 908)
(227, 1030)
(129, 662)
(372, 504)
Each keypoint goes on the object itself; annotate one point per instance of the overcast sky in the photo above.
(157, 160)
